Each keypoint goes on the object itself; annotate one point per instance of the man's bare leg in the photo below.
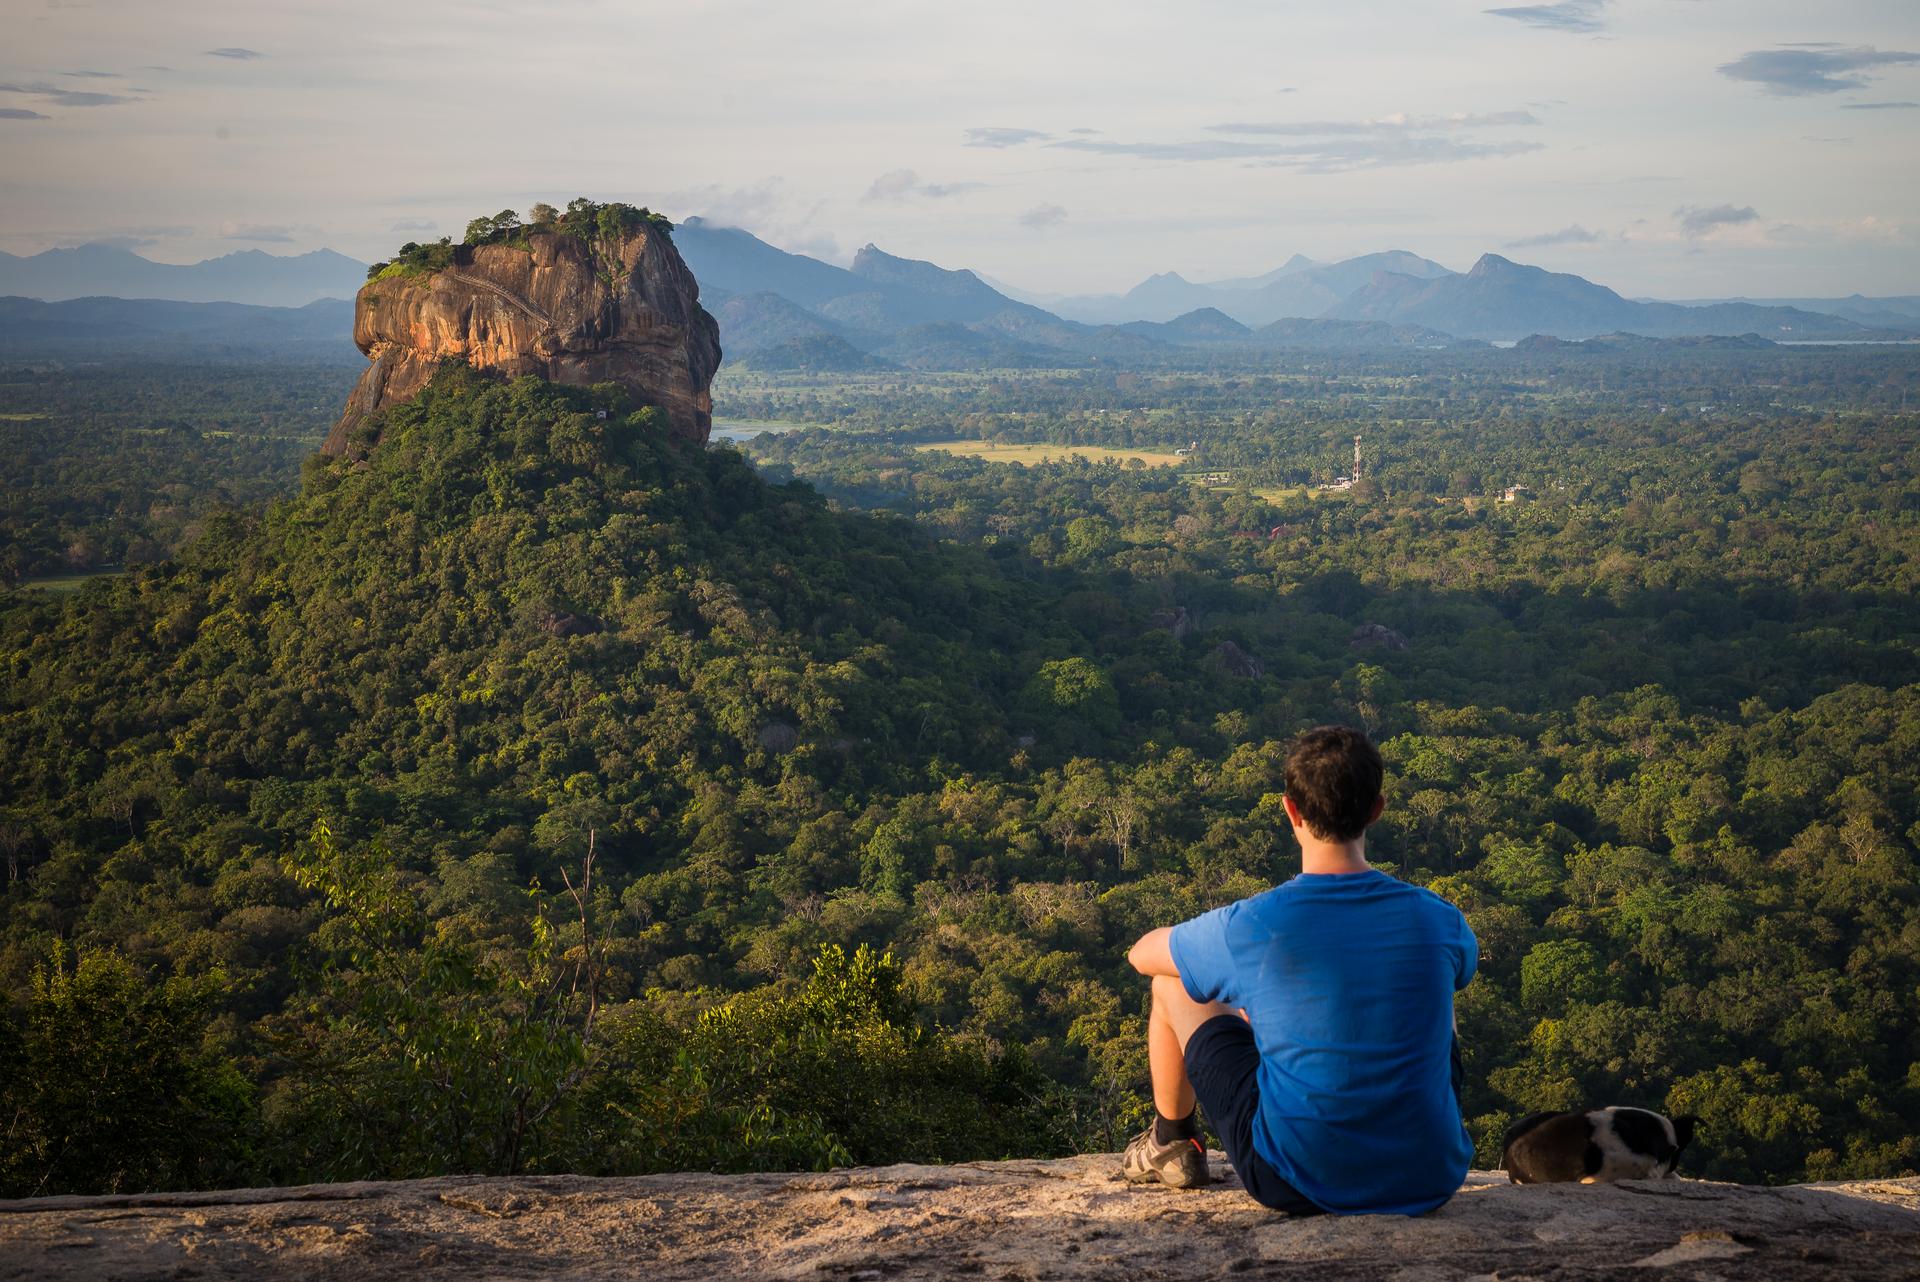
(1174, 1019)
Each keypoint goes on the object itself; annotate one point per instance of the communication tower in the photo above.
(1356, 459)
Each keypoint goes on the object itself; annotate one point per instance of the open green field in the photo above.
(64, 583)
(1275, 493)
(1051, 453)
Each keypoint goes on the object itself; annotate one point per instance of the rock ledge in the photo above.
(1067, 1219)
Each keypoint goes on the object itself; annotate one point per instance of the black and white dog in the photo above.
(1594, 1147)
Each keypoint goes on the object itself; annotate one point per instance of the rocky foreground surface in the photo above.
(1003, 1220)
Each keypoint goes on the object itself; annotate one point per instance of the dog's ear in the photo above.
(1683, 1131)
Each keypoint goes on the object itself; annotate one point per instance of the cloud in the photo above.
(415, 224)
(1329, 156)
(1333, 146)
(1698, 220)
(766, 208)
(1398, 122)
(20, 113)
(138, 237)
(68, 97)
(90, 75)
(268, 234)
(1793, 71)
(995, 136)
(904, 184)
(1041, 217)
(1879, 106)
(232, 51)
(1573, 235)
(1567, 15)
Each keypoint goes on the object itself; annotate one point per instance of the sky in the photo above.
(1668, 148)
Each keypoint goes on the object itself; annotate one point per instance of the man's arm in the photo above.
(1151, 954)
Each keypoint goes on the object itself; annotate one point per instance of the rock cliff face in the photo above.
(1022, 1221)
(626, 311)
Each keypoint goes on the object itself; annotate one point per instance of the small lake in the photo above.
(745, 429)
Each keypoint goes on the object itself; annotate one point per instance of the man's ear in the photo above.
(1379, 804)
(1293, 811)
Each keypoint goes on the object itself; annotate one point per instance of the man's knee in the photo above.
(1168, 989)
(1172, 1003)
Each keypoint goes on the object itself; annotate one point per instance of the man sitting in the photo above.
(1314, 1020)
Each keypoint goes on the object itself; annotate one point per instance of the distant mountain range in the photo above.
(321, 331)
(1895, 311)
(791, 311)
(1500, 299)
(1300, 288)
(780, 310)
(250, 276)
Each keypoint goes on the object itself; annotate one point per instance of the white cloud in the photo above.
(1799, 70)
(1566, 15)
(1041, 217)
(1710, 220)
(905, 184)
(1571, 235)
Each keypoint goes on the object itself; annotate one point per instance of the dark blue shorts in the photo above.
(1223, 1064)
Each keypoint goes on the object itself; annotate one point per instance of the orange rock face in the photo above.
(628, 313)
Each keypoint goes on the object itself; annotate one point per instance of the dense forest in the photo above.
(116, 463)
(547, 795)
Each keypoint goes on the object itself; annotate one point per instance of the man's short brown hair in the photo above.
(1333, 776)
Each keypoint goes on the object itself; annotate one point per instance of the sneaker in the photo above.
(1181, 1164)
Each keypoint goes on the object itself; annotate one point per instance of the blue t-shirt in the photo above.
(1347, 980)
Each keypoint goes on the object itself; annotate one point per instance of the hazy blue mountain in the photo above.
(1162, 298)
(1900, 311)
(320, 331)
(883, 295)
(741, 263)
(913, 275)
(250, 276)
(1107, 343)
(1202, 326)
(816, 354)
(1300, 288)
(755, 322)
(1502, 299)
(1320, 334)
(1298, 263)
(906, 292)
(951, 345)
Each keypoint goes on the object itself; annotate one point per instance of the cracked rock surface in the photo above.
(1068, 1219)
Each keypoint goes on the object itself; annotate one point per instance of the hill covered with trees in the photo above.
(543, 793)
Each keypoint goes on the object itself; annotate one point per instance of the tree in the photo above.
(111, 1086)
(422, 1053)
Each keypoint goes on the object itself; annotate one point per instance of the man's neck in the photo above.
(1334, 856)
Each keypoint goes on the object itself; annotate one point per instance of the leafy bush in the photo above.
(840, 1072)
(107, 1085)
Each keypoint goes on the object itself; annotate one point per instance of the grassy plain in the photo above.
(997, 453)
(65, 583)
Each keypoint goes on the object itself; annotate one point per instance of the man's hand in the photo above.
(1151, 955)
